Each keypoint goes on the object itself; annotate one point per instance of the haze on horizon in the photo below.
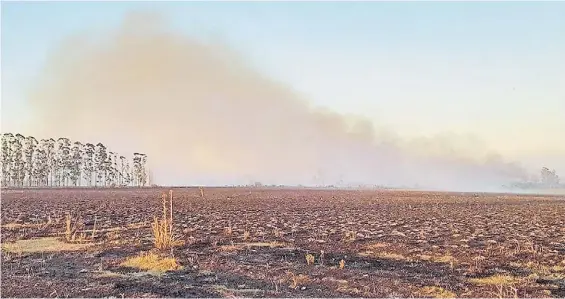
(466, 96)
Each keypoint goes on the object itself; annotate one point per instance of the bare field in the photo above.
(282, 243)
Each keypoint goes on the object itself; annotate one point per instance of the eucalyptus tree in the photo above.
(18, 166)
(76, 163)
(121, 171)
(125, 172)
(88, 163)
(115, 170)
(110, 170)
(7, 158)
(40, 166)
(30, 147)
(137, 169)
(100, 157)
(143, 170)
(63, 160)
(51, 161)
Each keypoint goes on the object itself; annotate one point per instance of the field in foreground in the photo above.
(255, 243)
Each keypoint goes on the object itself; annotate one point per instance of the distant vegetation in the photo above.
(548, 179)
(27, 162)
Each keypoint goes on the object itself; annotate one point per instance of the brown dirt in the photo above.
(393, 243)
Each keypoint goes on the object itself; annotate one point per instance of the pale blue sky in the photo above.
(492, 69)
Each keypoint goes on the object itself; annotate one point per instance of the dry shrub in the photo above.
(73, 229)
(151, 262)
(163, 229)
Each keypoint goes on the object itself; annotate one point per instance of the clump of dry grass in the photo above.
(310, 259)
(385, 255)
(445, 259)
(163, 229)
(240, 246)
(228, 230)
(505, 291)
(541, 269)
(436, 292)
(497, 279)
(341, 264)
(297, 280)
(350, 236)
(47, 244)
(230, 248)
(391, 256)
(375, 246)
(151, 262)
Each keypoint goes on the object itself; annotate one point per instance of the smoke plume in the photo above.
(203, 115)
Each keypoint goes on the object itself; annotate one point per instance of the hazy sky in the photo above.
(492, 70)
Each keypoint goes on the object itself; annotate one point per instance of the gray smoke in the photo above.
(203, 115)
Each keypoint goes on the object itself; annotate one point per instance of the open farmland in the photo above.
(283, 243)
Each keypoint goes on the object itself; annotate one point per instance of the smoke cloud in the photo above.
(203, 115)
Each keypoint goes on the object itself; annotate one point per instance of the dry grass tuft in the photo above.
(436, 292)
(350, 236)
(241, 246)
(151, 262)
(298, 280)
(385, 255)
(341, 264)
(505, 291)
(163, 229)
(445, 259)
(310, 259)
(48, 244)
(228, 230)
(265, 244)
(540, 269)
(391, 256)
(375, 246)
(498, 280)
(230, 248)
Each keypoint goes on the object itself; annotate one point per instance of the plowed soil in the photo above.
(254, 242)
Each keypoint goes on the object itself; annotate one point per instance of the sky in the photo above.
(490, 75)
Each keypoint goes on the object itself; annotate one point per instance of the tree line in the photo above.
(548, 179)
(28, 162)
